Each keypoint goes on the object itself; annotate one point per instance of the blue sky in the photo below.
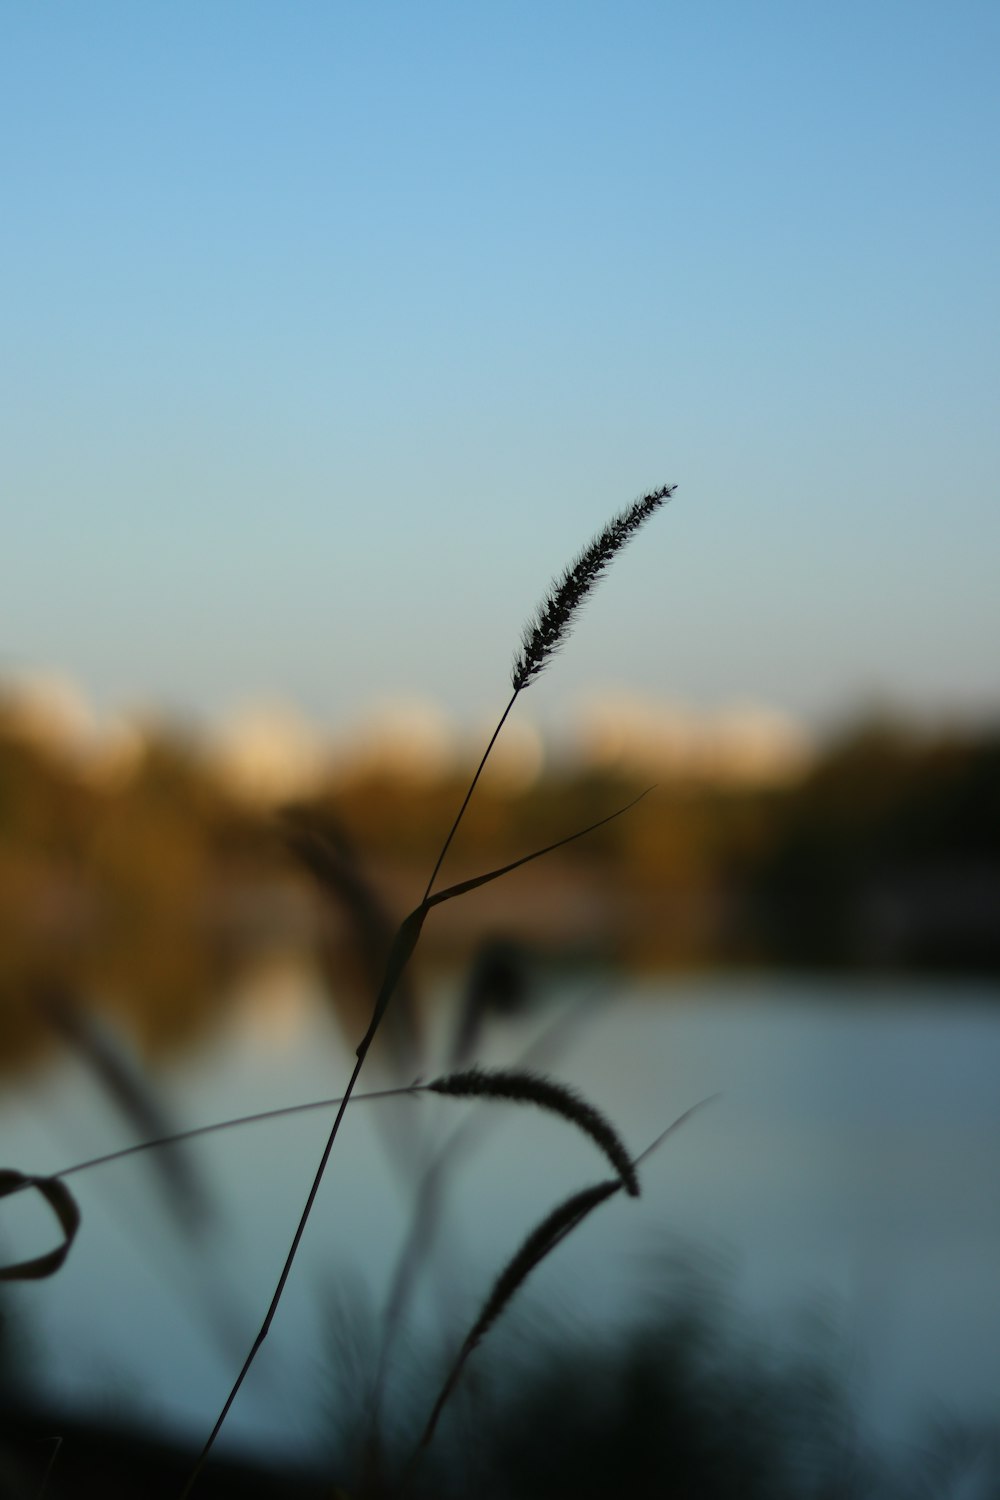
(331, 331)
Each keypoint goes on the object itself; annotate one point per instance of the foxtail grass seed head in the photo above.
(543, 1238)
(523, 1087)
(548, 628)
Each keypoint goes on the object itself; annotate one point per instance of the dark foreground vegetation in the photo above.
(677, 1407)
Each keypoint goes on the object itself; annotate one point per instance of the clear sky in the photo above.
(330, 331)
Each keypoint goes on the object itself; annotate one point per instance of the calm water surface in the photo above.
(846, 1170)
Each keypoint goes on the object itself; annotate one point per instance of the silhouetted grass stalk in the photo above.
(540, 1243)
(541, 639)
(428, 1201)
(521, 1087)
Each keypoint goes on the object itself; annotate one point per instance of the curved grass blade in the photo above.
(542, 1240)
(62, 1203)
(331, 861)
(328, 855)
(134, 1098)
(554, 1227)
(465, 886)
(409, 932)
(428, 1207)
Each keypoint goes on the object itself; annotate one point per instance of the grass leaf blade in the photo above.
(464, 886)
(62, 1203)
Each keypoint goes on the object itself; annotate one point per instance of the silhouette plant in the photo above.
(543, 636)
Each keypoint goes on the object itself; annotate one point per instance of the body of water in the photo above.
(843, 1176)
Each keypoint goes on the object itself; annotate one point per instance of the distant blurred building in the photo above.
(50, 712)
(745, 744)
(268, 752)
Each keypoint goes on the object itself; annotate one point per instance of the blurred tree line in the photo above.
(146, 890)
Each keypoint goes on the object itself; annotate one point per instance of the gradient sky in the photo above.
(330, 331)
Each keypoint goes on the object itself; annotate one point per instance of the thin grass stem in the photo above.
(468, 796)
(255, 1119)
(280, 1287)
